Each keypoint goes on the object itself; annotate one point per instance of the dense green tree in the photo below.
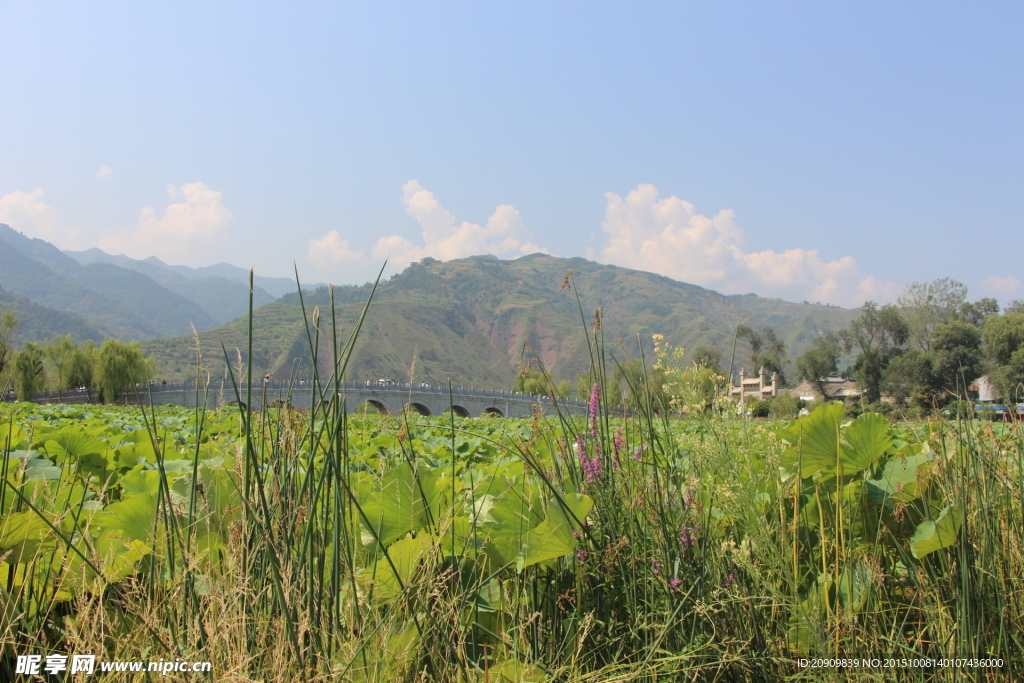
(1015, 306)
(908, 374)
(1004, 344)
(925, 306)
(820, 360)
(755, 340)
(708, 356)
(119, 367)
(7, 324)
(531, 382)
(1003, 335)
(1008, 378)
(564, 389)
(61, 353)
(978, 312)
(766, 351)
(956, 357)
(877, 335)
(81, 369)
(29, 371)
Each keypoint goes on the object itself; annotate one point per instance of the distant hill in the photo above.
(127, 304)
(36, 323)
(267, 288)
(469, 320)
(224, 299)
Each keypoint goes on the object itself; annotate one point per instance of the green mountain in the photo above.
(473, 320)
(36, 323)
(224, 299)
(128, 304)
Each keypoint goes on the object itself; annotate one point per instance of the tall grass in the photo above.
(691, 565)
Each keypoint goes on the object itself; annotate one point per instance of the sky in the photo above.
(831, 152)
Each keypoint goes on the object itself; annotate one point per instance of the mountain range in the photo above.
(95, 295)
(473, 320)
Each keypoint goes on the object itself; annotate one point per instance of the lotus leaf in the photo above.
(553, 538)
(132, 517)
(406, 556)
(938, 533)
(396, 504)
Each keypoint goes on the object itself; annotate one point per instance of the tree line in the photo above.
(105, 373)
(923, 353)
(928, 349)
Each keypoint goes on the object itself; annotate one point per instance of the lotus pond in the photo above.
(289, 545)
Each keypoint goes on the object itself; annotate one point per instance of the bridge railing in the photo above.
(282, 388)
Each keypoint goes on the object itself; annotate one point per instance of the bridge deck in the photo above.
(466, 402)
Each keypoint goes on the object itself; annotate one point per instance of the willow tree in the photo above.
(119, 367)
(29, 371)
(61, 352)
(82, 368)
(7, 324)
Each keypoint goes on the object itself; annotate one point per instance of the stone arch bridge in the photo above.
(390, 399)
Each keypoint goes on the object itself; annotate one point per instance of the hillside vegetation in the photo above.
(39, 322)
(471, 319)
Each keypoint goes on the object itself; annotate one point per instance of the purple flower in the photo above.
(728, 581)
(674, 583)
(595, 398)
(688, 535)
(618, 444)
(690, 492)
(656, 565)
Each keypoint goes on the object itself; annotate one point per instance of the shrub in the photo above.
(785, 407)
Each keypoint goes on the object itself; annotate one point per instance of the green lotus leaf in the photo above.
(516, 671)
(132, 518)
(73, 444)
(396, 504)
(140, 481)
(553, 537)
(901, 479)
(864, 441)
(405, 556)
(854, 585)
(223, 493)
(814, 440)
(938, 533)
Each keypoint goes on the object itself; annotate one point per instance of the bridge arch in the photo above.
(371, 403)
(459, 411)
(418, 407)
(492, 412)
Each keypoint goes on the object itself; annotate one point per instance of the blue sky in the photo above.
(818, 151)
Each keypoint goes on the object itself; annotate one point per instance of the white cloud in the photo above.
(331, 251)
(1005, 287)
(503, 235)
(188, 226)
(669, 237)
(28, 213)
(104, 172)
